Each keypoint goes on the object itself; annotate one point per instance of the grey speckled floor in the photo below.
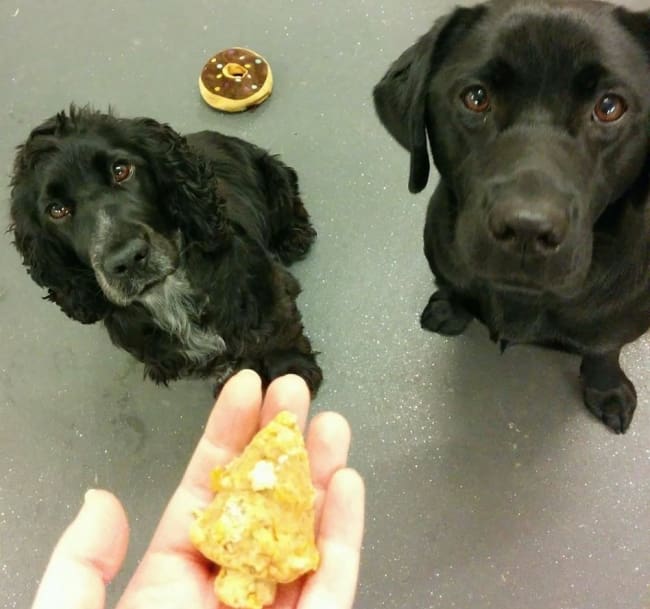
(489, 485)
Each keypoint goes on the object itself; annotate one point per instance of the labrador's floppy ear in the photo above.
(401, 95)
(638, 24)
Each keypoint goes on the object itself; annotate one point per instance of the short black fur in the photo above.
(540, 224)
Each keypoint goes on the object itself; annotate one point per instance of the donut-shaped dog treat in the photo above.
(235, 79)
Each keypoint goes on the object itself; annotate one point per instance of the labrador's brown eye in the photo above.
(609, 108)
(122, 171)
(57, 211)
(476, 98)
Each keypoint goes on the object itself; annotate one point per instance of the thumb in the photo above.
(88, 555)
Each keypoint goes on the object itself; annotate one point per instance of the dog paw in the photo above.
(222, 376)
(294, 244)
(444, 317)
(313, 376)
(158, 375)
(614, 407)
(304, 365)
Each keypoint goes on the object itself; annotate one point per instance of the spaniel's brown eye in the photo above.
(609, 108)
(476, 98)
(122, 171)
(57, 211)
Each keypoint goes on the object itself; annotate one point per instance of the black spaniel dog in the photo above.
(176, 243)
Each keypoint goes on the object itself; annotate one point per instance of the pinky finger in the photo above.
(334, 584)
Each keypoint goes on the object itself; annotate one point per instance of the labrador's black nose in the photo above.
(127, 257)
(531, 226)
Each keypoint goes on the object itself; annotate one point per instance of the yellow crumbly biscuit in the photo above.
(260, 526)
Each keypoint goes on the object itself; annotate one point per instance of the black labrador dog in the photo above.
(178, 244)
(537, 114)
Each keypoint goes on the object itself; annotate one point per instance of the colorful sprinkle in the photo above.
(217, 88)
(247, 65)
(219, 75)
(213, 59)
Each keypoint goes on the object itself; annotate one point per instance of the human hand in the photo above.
(172, 573)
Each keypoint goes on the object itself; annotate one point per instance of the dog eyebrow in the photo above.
(55, 190)
(588, 76)
(497, 71)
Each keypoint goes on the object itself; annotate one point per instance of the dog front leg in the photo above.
(607, 392)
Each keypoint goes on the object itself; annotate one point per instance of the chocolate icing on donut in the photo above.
(234, 73)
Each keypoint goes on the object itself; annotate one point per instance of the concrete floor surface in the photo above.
(489, 484)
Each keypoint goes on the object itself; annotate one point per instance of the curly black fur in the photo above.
(182, 260)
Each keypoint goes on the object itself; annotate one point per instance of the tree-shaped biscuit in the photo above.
(260, 526)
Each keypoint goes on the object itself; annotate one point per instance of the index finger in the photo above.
(234, 420)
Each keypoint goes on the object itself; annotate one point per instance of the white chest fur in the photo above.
(174, 308)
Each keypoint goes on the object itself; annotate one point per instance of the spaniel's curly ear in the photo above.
(188, 191)
(49, 263)
(41, 140)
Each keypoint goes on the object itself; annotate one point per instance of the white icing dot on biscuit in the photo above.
(219, 75)
(238, 79)
(253, 86)
(262, 476)
(213, 60)
(248, 76)
(242, 57)
(258, 60)
(220, 65)
(247, 65)
(217, 88)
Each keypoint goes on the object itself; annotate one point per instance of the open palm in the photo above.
(172, 573)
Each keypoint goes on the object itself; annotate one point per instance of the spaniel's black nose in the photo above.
(127, 257)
